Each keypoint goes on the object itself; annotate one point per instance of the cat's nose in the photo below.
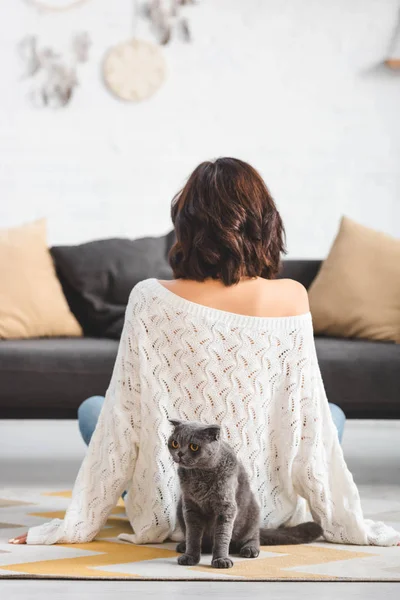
(180, 454)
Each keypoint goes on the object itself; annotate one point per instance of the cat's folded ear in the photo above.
(175, 422)
(212, 432)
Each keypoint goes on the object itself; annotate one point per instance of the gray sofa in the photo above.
(49, 378)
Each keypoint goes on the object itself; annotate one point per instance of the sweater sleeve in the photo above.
(111, 455)
(320, 474)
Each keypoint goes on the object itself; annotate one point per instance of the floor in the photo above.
(36, 453)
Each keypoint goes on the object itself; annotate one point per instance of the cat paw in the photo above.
(181, 547)
(188, 560)
(222, 563)
(249, 552)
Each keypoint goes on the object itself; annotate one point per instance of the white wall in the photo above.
(284, 84)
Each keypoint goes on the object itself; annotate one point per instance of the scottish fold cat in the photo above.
(218, 511)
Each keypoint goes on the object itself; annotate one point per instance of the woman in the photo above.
(223, 342)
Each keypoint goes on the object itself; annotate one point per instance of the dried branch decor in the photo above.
(54, 77)
(166, 17)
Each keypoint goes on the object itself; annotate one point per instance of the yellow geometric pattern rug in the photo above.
(109, 558)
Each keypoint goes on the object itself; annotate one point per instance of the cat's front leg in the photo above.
(181, 547)
(250, 546)
(194, 523)
(222, 536)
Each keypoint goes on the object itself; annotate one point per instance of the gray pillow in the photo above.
(97, 278)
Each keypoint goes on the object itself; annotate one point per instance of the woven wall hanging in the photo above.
(55, 5)
(134, 70)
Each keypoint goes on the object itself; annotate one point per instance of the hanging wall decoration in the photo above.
(134, 70)
(54, 76)
(55, 5)
(393, 56)
(168, 18)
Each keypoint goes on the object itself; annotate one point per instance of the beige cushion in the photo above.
(32, 303)
(356, 292)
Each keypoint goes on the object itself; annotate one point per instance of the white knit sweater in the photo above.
(259, 378)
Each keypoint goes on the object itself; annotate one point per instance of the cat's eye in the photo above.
(194, 447)
(174, 444)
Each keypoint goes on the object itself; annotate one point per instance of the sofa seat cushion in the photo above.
(361, 376)
(49, 378)
(42, 378)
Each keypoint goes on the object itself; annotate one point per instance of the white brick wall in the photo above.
(284, 84)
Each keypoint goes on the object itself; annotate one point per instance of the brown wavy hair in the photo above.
(226, 225)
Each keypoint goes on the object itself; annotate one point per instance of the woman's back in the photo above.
(253, 296)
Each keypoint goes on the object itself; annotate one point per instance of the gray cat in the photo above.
(218, 511)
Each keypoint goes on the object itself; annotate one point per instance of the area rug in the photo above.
(109, 558)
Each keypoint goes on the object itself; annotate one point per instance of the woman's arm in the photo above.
(111, 455)
(320, 474)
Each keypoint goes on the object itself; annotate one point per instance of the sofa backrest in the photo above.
(302, 270)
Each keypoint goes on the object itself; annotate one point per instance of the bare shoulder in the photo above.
(296, 294)
(293, 296)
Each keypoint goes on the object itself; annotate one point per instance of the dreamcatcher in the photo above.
(55, 5)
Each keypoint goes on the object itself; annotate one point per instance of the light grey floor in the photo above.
(198, 590)
(36, 453)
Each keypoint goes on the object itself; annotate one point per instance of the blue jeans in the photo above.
(89, 411)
